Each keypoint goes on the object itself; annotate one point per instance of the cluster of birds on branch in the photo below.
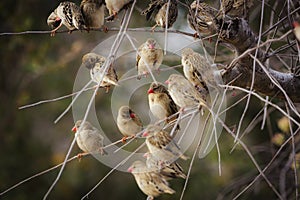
(186, 91)
(91, 13)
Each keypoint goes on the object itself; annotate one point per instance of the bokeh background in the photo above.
(35, 67)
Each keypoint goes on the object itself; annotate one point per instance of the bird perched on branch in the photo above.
(191, 62)
(158, 10)
(149, 57)
(161, 104)
(67, 13)
(128, 122)
(95, 63)
(93, 13)
(201, 18)
(184, 93)
(150, 182)
(161, 145)
(115, 6)
(89, 138)
(236, 8)
(172, 170)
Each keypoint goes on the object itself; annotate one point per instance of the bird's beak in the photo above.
(151, 46)
(145, 134)
(150, 91)
(145, 155)
(74, 129)
(130, 169)
(167, 82)
(132, 115)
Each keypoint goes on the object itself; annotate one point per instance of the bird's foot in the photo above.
(124, 139)
(79, 156)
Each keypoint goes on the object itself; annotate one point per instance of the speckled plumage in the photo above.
(183, 93)
(157, 9)
(89, 139)
(149, 55)
(161, 145)
(94, 62)
(93, 13)
(201, 18)
(150, 182)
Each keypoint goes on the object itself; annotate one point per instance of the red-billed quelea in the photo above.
(161, 104)
(115, 6)
(93, 13)
(184, 93)
(149, 56)
(161, 145)
(158, 10)
(128, 122)
(150, 182)
(89, 139)
(201, 18)
(68, 14)
(95, 63)
(172, 170)
(192, 62)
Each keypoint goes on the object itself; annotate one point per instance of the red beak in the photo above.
(145, 155)
(150, 91)
(295, 24)
(132, 115)
(167, 82)
(145, 134)
(129, 169)
(74, 129)
(151, 46)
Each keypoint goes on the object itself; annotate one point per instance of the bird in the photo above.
(236, 8)
(53, 20)
(201, 18)
(161, 145)
(183, 93)
(128, 122)
(157, 9)
(93, 13)
(161, 104)
(192, 62)
(115, 6)
(95, 63)
(172, 170)
(149, 56)
(151, 182)
(68, 14)
(89, 139)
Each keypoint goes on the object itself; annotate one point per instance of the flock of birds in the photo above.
(186, 91)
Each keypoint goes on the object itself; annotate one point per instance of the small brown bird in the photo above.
(150, 182)
(236, 8)
(172, 170)
(149, 56)
(115, 6)
(192, 62)
(161, 104)
(201, 18)
(158, 10)
(161, 144)
(128, 122)
(93, 13)
(95, 63)
(89, 139)
(183, 93)
(69, 14)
